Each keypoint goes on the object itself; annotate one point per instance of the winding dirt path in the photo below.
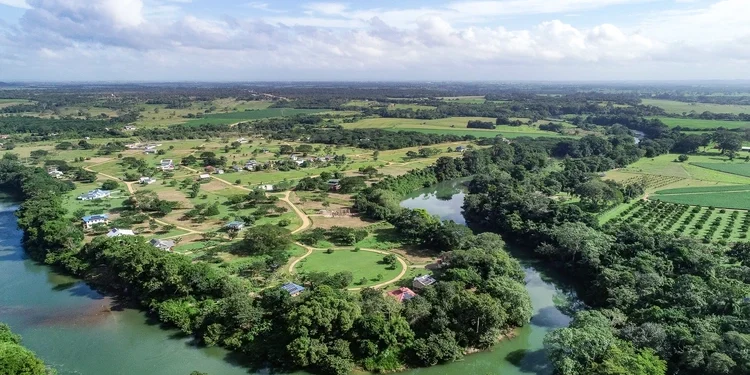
(306, 222)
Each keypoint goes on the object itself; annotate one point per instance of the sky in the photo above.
(383, 40)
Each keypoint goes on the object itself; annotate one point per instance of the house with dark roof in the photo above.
(91, 220)
(235, 225)
(293, 289)
(95, 194)
(402, 294)
(421, 282)
(460, 149)
(334, 184)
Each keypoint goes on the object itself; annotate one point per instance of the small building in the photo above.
(242, 140)
(334, 184)
(95, 194)
(745, 148)
(91, 220)
(210, 169)
(204, 176)
(460, 149)
(266, 187)
(56, 174)
(236, 168)
(219, 171)
(117, 232)
(149, 150)
(166, 165)
(293, 289)
(252, 165)
(402, 294)
(130, 127)
(421, 282)
(235, 225)
(146, 180)
(165, 245)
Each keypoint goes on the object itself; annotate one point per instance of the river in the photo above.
(78, 331)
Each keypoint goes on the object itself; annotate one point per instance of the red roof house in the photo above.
(402, 294)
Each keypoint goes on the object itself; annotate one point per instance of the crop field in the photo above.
(706, 223)
(362, 264)
(742, 168)
(256, 114)
(673, 106)
(465, 99)
(703, 124)
(724, 197)
(665, 165)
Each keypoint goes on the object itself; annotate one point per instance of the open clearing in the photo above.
(362, 264)
(673, 106)
(451, 125)
(741, 168)
(703, 124)
(233, 117)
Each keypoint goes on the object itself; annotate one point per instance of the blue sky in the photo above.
(244, 40)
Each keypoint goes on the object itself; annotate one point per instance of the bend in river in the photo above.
(78, 331)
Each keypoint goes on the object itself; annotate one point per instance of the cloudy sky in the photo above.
(241, 40)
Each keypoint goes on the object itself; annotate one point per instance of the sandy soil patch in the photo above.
(343, 221)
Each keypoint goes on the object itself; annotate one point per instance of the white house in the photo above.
(146, 180)
(165, 245)
(267, 187)
(166, 165)
(95, 194)
(56, 174)
(242, 140)
(91, 220)
(117, 232)
(252, 165)
(420, 282)
(129, 127)
(219, 171)
(204, 176)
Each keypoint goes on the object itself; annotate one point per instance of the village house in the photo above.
(235, 225)
(402, 294)
(460, 149)
(242, 140)
(266, 187)
(219, 171)
(334, 184)
(130, 127)
(166, 165)
(95, 194)
(421, 282)
(91, 220)
(117, 232)
(252, 165)
(293, 289)
(54, 172)
(165, 245)
(204, 176)
(146, 180)
(236, 168)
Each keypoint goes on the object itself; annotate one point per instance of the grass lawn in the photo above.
(255, 114)
(451, 125)
(706, 189)
(738, 168)
(360, 264)
(702, 124)
(665, 165)
(673, 106)
(737, 199)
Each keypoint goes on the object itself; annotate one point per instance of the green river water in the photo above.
(78, 331)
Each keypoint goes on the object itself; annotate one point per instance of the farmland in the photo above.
(234, 117)
(741, 169)
(698, 124)
(451, 125)
(676, 107)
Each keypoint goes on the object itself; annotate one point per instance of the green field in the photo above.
(360, 264)
(742, 169)
(673, 106)
(724, 199)
(706, 189)
(451, 125)
(665, 165)
(234, 117)
(703, 124)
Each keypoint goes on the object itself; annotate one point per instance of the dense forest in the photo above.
(660, 304)
(16, 359)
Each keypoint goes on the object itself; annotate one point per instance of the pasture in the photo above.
(739, 168)
(362, 264)
(697, 124)
(673, 106)
(451, 125)
(254, 114)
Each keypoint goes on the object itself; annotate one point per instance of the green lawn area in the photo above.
(465, 99)
(233, 117)
(665, 165)
(360, 264)
(706, 189)
(738, 168)
(703, 124)
(673, 106)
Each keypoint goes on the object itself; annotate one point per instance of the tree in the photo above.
(728, 141)
(110, 185)
(682, 158)
(390, 260)
(264, 239)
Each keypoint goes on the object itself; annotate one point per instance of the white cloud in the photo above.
(15, 3)
(125, 37)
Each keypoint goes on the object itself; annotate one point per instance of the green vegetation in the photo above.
(698, 124)
(235, 117)
(733, 168)
(676, 107)
(17, 360)
(361, 264)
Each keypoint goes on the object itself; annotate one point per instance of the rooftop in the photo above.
(293, 288)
